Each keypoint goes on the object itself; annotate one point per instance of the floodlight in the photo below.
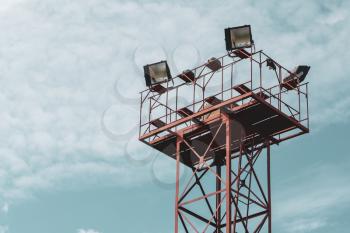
(238, 37)
(157, 73)
(298, 74)
(271, 64)
(187, 76)
(214, 64)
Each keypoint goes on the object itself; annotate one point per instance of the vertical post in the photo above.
(251, 68)
(194, 95)
(231, 86)
(166, 103)
(228, 174)
(260, 75)
(222, 79)
(269, 185)
(176, 96)
(238, 179)
(280, 88)
(218, 198)
(140, 122)
(178, 144)
(149, 110)
(307, 105)
(203, 90)
(299, 93)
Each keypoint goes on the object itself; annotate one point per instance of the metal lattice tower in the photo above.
(219, 126)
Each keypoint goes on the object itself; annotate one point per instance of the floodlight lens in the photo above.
(299, 72)
(298, 75)
(157, 73)
(302, 71)
(238, 37)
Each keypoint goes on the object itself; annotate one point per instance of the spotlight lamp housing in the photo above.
(271, 64)
(238, 37)
(298, 75)
(157, 73)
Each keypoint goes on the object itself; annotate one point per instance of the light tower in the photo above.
(220, 126)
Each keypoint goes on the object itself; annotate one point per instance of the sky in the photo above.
(70, 77)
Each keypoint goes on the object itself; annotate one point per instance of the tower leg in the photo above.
(178, 144)
(238, 196)
(218, 199)
(269, 186)
(238, 179)
(228, 174)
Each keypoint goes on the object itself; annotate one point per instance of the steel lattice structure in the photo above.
(220, 126)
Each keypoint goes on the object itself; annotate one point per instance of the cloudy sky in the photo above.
(70, 73)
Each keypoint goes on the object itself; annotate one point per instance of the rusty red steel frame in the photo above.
(220, 126)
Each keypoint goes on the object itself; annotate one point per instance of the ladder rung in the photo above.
(158, 88)
(242, 89)
(158, 123)
(242, 53)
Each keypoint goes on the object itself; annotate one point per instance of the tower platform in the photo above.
(218, 124)
(253, 122)
(260, 107)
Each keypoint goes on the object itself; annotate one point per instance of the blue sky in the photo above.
(69, 82)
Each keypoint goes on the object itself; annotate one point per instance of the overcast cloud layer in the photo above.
(71, 73)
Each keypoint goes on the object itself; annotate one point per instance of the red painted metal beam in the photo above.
(196, 115)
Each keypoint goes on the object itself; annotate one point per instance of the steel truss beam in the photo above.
(241, 199)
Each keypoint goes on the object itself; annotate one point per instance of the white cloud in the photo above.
(305, 225)
(310, 199)
(61, 63)
(5, 208)
(4, 229)
(87, 231)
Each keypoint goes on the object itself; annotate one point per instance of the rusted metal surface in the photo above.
(218, 125)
